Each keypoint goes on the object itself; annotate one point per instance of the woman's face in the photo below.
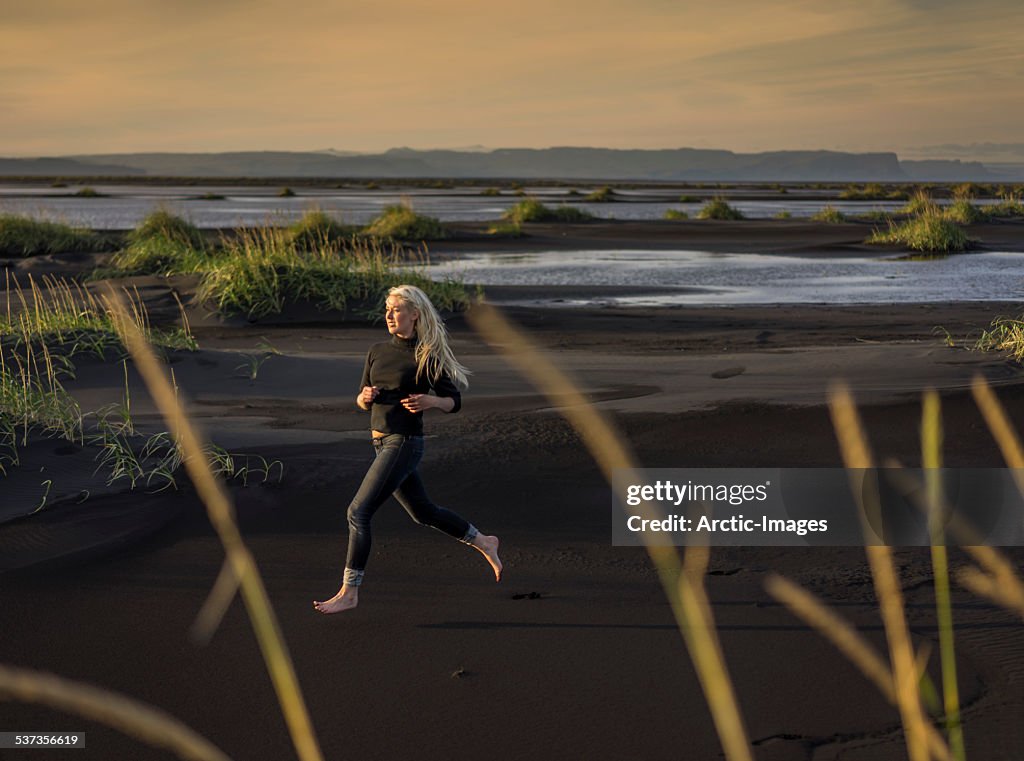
(400, 317)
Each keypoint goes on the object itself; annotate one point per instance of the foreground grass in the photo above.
(532, 210)
(24, 236)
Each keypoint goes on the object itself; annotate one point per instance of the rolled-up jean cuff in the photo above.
(353, 578)
(471, 534)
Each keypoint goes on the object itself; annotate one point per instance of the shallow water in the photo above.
(124, 206)
(705, 278)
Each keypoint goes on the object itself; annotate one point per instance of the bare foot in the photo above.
(488, 546)
(346, 599)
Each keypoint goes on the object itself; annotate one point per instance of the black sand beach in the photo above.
(575, 653)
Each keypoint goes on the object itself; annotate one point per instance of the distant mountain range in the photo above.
(522, 163)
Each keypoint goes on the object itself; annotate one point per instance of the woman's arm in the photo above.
(424, 402)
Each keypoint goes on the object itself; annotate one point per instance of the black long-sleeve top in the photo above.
(391, 367)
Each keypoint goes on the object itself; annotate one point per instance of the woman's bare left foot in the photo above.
(488, 546)
(346, 599)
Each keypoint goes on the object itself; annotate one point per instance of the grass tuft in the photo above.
(930, 232)
(718, 208)
(24, 236)
(285, 193)
(829, 215)
(400, 222)
(162, 244)
(317, 229)
(532, 210)
(964, 212)
(676, 214)
(1004, 334)
(602, 195)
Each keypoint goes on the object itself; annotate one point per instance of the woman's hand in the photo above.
(423, 402)
(366, 396)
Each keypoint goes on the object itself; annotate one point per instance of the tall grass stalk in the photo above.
(222, 516)
(858, 460)
(682, 583)
(931, 459)
(146, 723)
(850, 643)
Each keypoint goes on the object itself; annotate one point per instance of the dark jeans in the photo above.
(394, 472)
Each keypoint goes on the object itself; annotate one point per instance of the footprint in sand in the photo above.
(728, 372)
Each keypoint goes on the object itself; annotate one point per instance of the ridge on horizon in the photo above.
(555, 162)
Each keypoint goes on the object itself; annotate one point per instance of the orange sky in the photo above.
(185, 75)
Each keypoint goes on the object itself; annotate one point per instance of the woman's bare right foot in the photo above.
(346, 599)
(488, 546)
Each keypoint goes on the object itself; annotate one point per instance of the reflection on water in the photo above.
(716, 278)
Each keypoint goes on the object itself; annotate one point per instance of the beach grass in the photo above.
(532, 210)
(783, 215)
(928, 232)
(506, 230)
(317, 229)
(676, 214)
(1009, 206)
(919, 203)
(1004, 334)
(829, 215)
(262, 270)
(25, 236)
(162, 244)
(602, 195)
(963, 212)
(286, 192)
(719, 208)
(401, 222)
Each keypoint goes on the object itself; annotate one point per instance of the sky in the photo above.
(115, 76)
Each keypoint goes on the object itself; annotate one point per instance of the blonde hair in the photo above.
(433, 354)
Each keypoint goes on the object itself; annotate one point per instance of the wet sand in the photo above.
(575, 653)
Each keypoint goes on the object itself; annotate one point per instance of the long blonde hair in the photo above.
(433, 354)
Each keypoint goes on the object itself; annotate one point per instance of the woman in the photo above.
(397, 375)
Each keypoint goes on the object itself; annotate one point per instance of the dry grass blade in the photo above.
(931, 458)
(1002, 430)
(216, 605)
(683, 586)
(850, 643)
(221, 512)
(857, 459)
(139, 720)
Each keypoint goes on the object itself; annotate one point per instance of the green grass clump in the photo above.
(783, 215)
(532, 210)
(688, 199)
(89, 193)
(676, 214)
(969, 190)
(1004, 334)
(929, 232)
(211, 197)
(602, 195)
(285, 193)
(400, 222)
(964, 212)
(24, 236)
(162, 244)
(316, 229)
(920, 203)
(829, 215)
(261, 271)
(1009, 206)
(490, 192)
(718, 208)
